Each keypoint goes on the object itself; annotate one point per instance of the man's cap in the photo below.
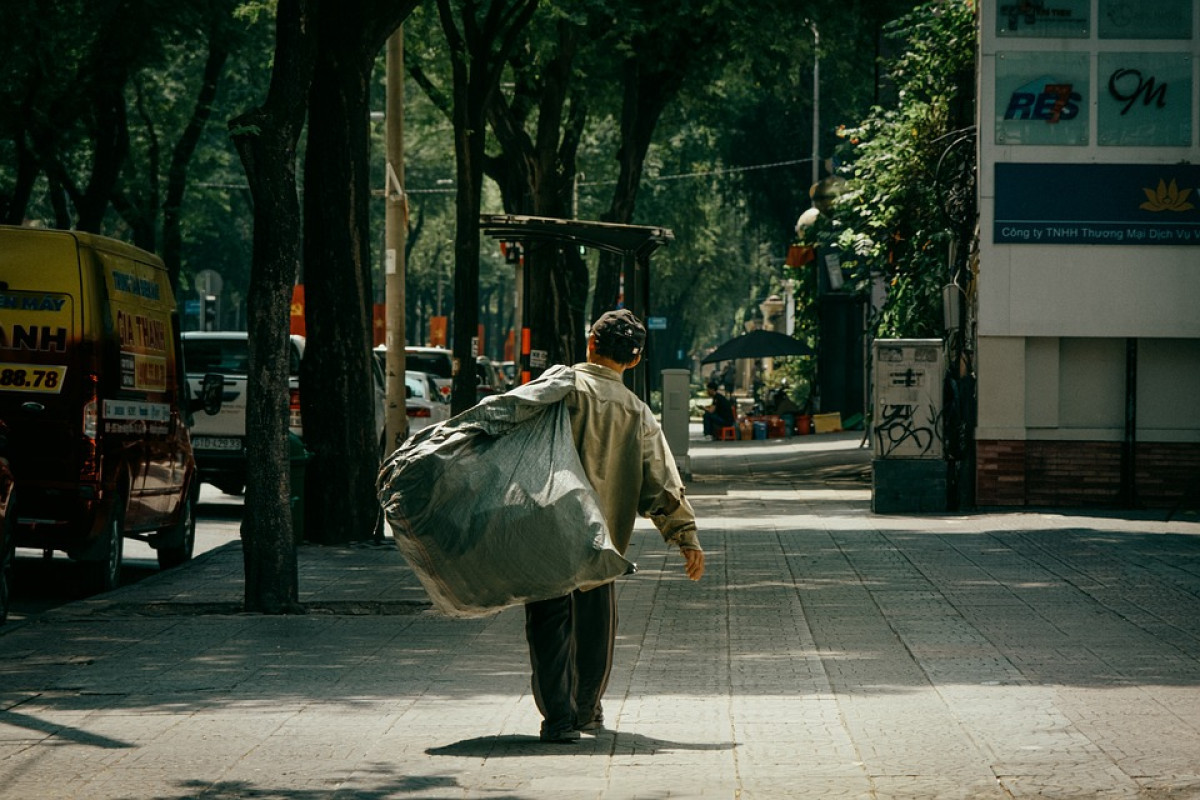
(620, 324)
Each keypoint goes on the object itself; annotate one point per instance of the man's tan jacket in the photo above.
(626, 457)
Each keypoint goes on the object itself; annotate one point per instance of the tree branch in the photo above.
(435, 94)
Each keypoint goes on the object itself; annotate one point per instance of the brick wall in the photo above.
(1083, 474)
(1167, 473)
(1000, 473)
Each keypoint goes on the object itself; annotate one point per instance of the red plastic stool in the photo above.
(727, 434)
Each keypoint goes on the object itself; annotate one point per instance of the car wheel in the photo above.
(183, 535)
(104, 574)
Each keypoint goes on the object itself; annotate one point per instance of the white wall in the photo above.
(1073, 389)
(1053, 319)
(1081, 290)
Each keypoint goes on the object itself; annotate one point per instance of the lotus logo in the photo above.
(1167, 198)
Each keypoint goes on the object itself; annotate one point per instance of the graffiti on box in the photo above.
(906, 429)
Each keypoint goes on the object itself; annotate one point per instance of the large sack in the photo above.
(492, 508)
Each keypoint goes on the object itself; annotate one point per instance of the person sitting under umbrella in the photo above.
(719, 413)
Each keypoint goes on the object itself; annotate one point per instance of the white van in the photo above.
(220, 441)
(437, 361)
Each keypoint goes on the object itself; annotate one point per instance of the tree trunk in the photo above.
(111, 141)
(556, 301)
(537, 175)
(136, 197)
(110, 65)
(266, 140)
(336, 383)
(644, 99)
(58, 201)
(185, 148)
(468, 150)
(478, 52)
(337, 394)
(27, 173)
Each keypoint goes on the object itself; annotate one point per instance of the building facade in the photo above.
(1088, 315)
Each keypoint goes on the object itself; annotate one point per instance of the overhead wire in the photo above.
(646, 179)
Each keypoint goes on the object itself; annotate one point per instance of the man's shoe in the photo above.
(566, 736)
(595, 726)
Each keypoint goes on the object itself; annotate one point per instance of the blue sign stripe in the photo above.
(1097, 204)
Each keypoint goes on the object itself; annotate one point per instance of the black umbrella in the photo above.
(758, 344)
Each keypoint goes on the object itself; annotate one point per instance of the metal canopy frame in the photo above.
(634, 243)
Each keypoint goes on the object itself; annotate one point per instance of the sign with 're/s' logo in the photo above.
(1045, 99)
(1042, 98)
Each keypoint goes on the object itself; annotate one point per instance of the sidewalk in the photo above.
(828, 652)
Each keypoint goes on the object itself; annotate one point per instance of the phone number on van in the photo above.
(24, 378)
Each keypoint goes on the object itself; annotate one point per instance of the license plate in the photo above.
(217, 443)
(44, 379)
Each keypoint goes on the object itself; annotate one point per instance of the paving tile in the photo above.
(828, 653)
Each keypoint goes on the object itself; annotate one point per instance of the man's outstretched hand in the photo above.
(694, 563)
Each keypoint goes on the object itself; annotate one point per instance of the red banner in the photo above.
(437, 331)
(378, 325)
(297, 317)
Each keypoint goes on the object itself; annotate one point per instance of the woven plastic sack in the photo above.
(492, 508)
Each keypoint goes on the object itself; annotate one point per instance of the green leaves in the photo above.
(244, 130)
(890, 220)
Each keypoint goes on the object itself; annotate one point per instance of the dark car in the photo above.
(488, 378)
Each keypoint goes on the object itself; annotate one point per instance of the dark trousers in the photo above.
(713, 423)
(571, 642)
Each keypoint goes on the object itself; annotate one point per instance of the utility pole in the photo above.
(395, 236)
(816, 117)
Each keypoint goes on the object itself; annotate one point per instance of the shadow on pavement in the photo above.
(402, 785)
(40, 583)
(604, 743)
(61, 732)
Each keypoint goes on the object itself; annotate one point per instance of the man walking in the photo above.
(626, 458)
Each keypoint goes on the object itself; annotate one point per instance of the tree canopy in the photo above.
(726, 96)
(891, 221)
(700, 120)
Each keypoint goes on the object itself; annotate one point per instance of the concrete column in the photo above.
(676, 416)
(773, 320)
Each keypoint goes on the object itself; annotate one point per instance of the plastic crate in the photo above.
(827, 423)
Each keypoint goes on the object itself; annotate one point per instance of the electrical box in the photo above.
(908, 377)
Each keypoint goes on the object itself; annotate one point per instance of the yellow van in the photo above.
(93, 396)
